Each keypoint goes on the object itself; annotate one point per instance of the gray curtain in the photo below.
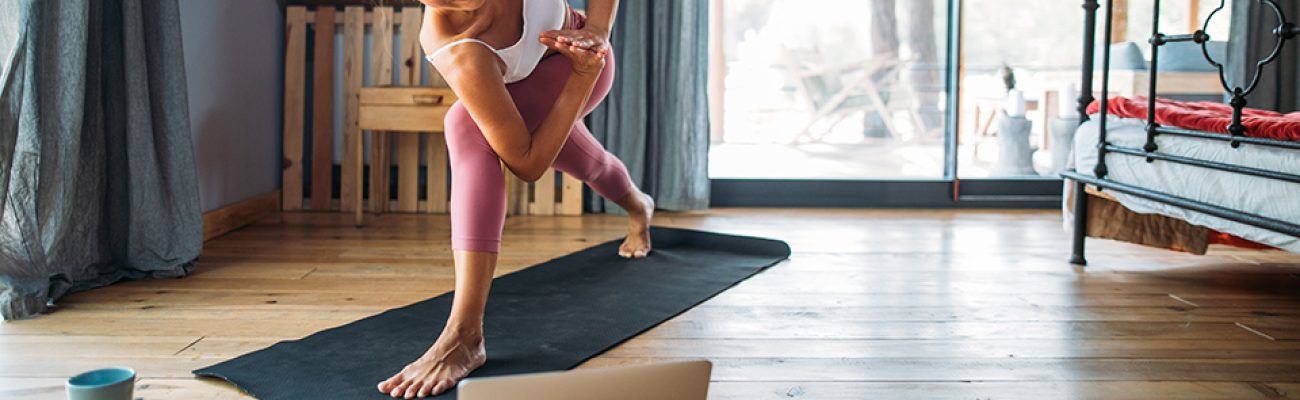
(656, 118)
(1252, 40)
(96, 162)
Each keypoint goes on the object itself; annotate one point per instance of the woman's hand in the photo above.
(586, 49)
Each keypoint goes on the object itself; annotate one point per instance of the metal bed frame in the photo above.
(1284, 31)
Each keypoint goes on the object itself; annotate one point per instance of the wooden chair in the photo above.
(837, 91)
(403, 110)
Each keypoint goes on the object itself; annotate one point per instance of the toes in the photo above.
(639, 254)
(438, 389)
(399, 390)
(388, 385)
(425, 389)
(443, 386)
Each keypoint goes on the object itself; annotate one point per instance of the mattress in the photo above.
(1256, 195)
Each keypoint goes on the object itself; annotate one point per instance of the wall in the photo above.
(233, 63)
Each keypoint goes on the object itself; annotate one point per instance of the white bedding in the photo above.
(1260, 196)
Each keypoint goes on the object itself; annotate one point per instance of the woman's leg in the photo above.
(478, 214)
(478, 207)
(583, 157)
(459, 348)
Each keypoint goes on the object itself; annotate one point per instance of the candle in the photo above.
(1067, 102)
(1015, 103)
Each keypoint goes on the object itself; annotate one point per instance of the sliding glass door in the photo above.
(830, 89)
(902, 102)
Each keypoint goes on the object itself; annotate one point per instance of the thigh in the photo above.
(536, 95)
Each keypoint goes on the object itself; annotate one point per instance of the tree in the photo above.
(924, 77)
(884, 44)
(925, 80)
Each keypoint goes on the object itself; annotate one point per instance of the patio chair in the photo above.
(838, 91)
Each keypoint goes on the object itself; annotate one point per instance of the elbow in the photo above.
(527, 173)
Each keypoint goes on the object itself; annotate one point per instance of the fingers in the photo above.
(550, 42)
(577, 38)
(575, 50)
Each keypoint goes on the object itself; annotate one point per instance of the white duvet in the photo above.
(1261, 196)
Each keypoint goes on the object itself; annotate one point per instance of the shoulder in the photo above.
(467, 60)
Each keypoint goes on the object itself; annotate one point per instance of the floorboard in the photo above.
(873, 304)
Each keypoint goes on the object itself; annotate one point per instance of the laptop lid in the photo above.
(687, 380)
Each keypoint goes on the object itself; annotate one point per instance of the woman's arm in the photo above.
(593, 35)
(473, 73)
(600, 16)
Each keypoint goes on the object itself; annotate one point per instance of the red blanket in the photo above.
(1206, 116)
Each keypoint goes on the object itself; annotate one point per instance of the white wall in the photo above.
(233, 64)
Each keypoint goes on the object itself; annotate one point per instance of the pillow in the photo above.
(1188, 57)
(1123, 56)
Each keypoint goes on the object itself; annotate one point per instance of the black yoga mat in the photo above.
(551, 316)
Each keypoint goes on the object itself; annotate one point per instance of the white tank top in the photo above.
(522, 57)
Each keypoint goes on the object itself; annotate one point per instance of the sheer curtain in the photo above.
(656, 118)
(97, 180)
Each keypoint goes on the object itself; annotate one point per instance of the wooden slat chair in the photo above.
(405, 110)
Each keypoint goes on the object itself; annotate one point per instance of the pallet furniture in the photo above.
(369, 35)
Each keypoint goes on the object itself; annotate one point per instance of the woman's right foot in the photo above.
(641, 211)
(449, 360)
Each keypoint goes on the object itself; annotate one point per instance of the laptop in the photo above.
(688, 380)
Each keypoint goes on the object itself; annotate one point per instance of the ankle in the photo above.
(463, 330)
(638, 203)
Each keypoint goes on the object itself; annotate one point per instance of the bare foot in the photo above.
(449, 360)
(637, 244)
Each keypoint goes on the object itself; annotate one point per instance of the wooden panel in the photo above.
(381, 73)
(437, 189)
(408, 146)
(571, 196)
(1194, 10)
(354, 32)
(544, 194)
(403, 118)
(295, 54)
(1179, 83)
(435, 153)
(225, 219)
(350, 2)
(407, 96)
(517, 194)
(408, 173)
(1119, 25)
(322, 164)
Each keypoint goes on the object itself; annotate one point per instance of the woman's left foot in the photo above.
(637, 244)
(449, 360)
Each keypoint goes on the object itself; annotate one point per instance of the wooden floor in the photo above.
(873, 304)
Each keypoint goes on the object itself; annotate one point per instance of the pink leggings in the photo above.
(478, 198)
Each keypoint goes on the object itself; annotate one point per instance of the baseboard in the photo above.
(225, 219)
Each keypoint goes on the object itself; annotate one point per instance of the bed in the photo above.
(1182, 175)
(1252, 194)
